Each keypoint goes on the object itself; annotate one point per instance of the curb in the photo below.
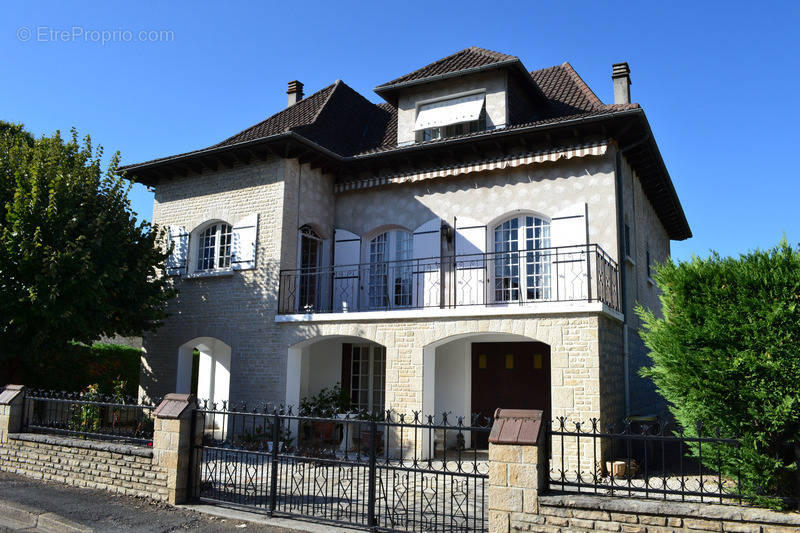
(18, 516)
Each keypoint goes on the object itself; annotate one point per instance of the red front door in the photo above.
(510, 375)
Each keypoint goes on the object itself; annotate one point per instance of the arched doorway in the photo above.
(204, 369)
(469, 376)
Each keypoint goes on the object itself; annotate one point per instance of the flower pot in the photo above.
(323, 430)
(366, 439)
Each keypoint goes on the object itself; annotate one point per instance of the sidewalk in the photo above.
(31, 505)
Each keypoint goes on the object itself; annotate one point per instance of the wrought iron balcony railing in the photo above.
(559, 274)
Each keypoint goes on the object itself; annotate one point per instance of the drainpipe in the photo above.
(621, 258)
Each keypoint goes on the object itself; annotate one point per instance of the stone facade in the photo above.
(123, 469)
(578, 365)
(239, 308)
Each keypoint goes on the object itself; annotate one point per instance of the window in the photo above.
(451, 117)
(368, 377)
(310, 253)
(522, 259)
(453, 130)
(390, 270)
(214, 250)
(649, 270)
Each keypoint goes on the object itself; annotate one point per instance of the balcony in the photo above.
(581, 273)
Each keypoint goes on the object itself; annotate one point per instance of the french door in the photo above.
(522, 260)
(390, 270)
(368, 377)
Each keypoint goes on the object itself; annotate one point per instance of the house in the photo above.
(478, 239)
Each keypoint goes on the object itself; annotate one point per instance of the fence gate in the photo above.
(382, 473)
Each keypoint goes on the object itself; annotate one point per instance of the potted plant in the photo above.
(325, 404)
(366, 430)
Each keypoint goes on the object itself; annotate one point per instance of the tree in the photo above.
(75, 263)
(726, 354)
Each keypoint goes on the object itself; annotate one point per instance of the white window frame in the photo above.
(309, 274)
(525, 259)
(419, 136)
(217, 254)
(397, 261)
(376, 369)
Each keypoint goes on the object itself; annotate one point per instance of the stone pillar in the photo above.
(12, 399)
(172, 443)
(518, 467)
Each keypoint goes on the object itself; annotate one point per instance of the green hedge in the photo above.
(78, 366)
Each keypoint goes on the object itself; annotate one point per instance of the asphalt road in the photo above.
(104, 511)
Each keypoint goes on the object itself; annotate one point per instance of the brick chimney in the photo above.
(621, 74)
(295, 92)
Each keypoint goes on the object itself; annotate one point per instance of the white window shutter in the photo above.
(176, 262)
(569, 262)
(243, 256)
(346, 255)
(470, 262)
(427, 242)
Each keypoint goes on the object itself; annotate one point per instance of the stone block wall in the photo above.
(584, 513)
(118, 468)
(519, 501)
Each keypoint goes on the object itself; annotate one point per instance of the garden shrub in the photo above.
(726, 355)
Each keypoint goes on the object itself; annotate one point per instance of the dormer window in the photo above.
(450, 117)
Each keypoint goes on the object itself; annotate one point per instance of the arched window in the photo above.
(214, 247)
(390, 270)
(310, 255)
(522, 261)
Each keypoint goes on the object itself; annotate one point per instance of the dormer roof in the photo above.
(467, 61)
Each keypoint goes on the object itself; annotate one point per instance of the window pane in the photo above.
(225, 240)
(205, 253)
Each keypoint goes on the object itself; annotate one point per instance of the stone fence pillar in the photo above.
(172, 443)
(12, 399)
(518, 467)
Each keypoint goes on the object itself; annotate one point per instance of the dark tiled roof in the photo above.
(302, 113)
(341, 120)
(467, 59)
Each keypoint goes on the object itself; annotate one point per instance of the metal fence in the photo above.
(649, 459)
(89, 415)
(389, 472)
(557, 274)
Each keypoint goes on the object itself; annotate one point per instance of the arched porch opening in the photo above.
(469, 376)
(354, 364)
(204, 369)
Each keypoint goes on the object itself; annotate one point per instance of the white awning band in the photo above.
(446, 112)
(596, 149)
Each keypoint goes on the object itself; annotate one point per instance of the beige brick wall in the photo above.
(237, 308)
(123, 469)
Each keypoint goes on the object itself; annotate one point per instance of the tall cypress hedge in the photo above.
(726, 354)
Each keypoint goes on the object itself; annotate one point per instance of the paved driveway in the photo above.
(102, 511)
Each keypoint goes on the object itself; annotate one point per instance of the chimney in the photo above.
(621, 74)
(295, 92)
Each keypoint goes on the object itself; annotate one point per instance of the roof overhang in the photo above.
(629, 128)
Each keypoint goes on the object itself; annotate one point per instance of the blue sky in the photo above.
(718, 80)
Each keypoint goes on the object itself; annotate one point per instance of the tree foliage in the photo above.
(75, 263)
(726, 354)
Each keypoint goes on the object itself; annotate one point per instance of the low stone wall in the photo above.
(120, 468)
(518, 499)
(635, 515)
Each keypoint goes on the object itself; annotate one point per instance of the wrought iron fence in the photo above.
(386, 472)
(557, 274)
(89, 415)
(650, 459)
